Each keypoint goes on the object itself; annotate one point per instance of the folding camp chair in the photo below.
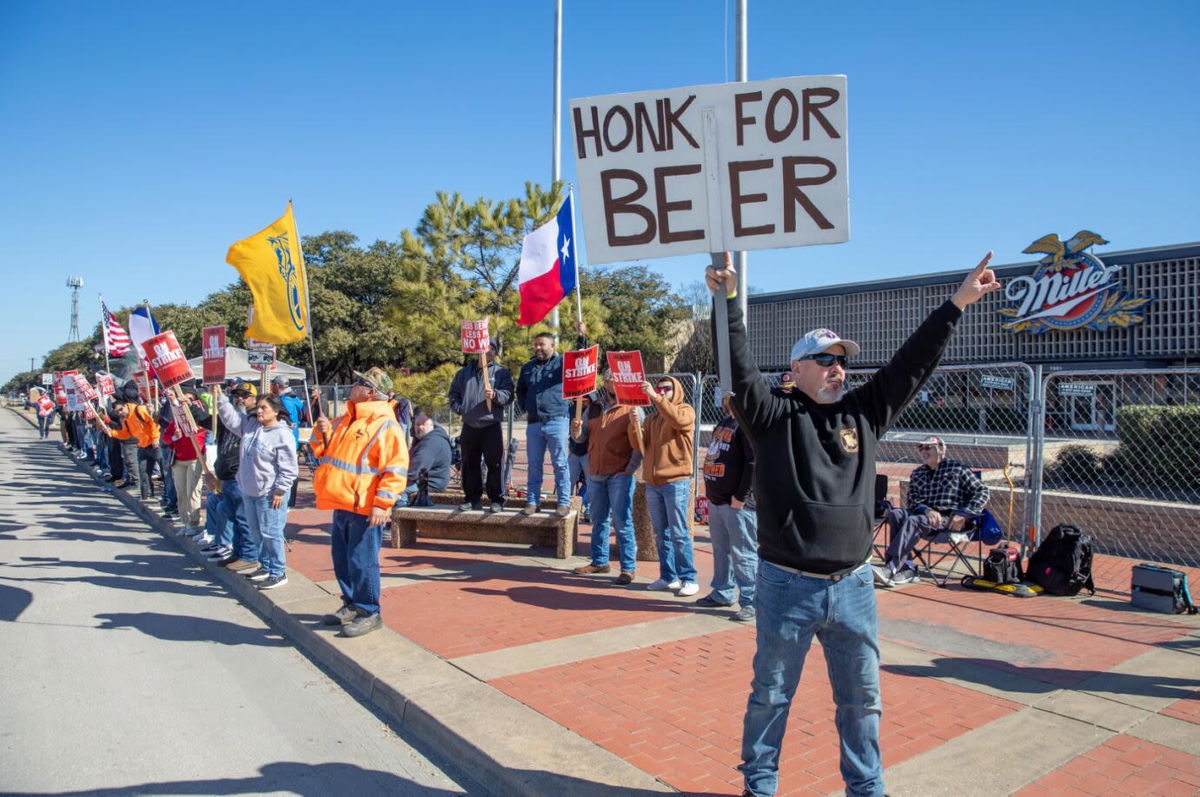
(879, 539)
(979, 530)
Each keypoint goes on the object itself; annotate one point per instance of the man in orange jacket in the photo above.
(137, 424)
(363, 470)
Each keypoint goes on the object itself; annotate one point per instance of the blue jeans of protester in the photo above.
(216, 524)
(266, 527)
(668, 504)
(548, 435)
(355, 552)
(792, 608)
(245, 546)
(44, 422)
(734, 534)
(166, 459)
(612, 508)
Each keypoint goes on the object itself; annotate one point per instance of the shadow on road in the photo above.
(182, 628)
(311, 780)
(13, 601)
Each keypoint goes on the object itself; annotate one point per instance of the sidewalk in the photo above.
(539, 681)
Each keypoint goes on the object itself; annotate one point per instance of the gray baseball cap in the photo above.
(816, 341)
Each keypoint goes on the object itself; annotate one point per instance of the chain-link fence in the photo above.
(1121, 460)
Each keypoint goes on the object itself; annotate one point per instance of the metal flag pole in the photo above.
(556, 146)
(152, 386)
(739, 258)
(575, 260)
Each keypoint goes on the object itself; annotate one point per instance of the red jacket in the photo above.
(181, 444)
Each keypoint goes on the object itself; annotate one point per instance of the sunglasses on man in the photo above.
(360, 382)
(825, 359)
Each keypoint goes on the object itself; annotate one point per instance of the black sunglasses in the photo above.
(364, 383)
(825, 359)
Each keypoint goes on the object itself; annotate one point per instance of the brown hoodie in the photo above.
(667, 438)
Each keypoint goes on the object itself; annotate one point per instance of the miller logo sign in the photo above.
(1070, 289)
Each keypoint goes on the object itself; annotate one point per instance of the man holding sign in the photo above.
(540, 394)
(479, 394)
(814, 483)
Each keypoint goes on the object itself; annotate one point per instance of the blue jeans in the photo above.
(734, 535)
(548, 435)
(612, 497)
(355, 552)
(166, 458)
(245, 546)
(266, 528)
(791, 609)
(216, 524)
(44, 422)
(668, 504)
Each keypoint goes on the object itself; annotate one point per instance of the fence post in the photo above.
(1038, 414)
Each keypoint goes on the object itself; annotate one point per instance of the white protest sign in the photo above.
(725, 167)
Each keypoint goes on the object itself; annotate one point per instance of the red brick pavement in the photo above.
(1122, 766)
(1187, 709)
(675, 711)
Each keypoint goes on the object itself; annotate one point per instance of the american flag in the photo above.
(115, 338)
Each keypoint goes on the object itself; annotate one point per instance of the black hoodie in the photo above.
(814, 474)
(432, 453)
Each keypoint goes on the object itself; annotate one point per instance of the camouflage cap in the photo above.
(377, 379)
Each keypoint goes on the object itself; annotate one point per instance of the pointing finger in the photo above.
(983, 263)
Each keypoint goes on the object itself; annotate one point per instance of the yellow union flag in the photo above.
(272, 266)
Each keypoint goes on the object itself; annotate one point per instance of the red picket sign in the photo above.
(104, 383)
(44, 403)
(183, 420)
(167, 359)
(86, 391)
(475, 337)
(213, 350)
(627, 374)
(89, 412)
(579, 372)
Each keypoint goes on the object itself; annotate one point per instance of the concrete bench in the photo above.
(447, 522)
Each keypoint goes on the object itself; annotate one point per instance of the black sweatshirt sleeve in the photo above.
(747, 454)
(757, 408)
(894, 385)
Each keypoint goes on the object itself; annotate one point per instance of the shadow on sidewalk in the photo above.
(179, 628)
(159, 585)
(550, 598)
(284, 776)
(996, 674)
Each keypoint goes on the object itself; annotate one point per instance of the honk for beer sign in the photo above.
(1070, 289)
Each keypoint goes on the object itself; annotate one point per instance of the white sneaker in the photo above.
(661, 584)
(688, 589)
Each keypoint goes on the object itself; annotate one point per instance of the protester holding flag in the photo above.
(363, 472)
(614, 455)
(667, 469)
(265, 474)
(482, 440)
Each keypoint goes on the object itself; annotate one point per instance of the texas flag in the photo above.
(547, 271)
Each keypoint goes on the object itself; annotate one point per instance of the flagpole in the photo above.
(556, 146)
(153, 387)
(578, 271)
(312, 349)
(104, 332)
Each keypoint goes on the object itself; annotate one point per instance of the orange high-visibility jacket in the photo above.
(139, 424)
(364, 462)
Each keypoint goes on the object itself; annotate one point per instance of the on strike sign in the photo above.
(475, 337)
(579, 372)
(725, 167)
(627, 374)
(104, 383)
(167, 359)
(213, 351)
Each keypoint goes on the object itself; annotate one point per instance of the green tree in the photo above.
(640, 307)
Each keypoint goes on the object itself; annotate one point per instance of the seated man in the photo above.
(942, 495)
(429, 461)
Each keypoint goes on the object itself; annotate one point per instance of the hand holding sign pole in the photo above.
(165, 356)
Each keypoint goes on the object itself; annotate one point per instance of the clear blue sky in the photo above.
(140, 139)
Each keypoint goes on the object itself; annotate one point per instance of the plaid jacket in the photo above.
(952, 486)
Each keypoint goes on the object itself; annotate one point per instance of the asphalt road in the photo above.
(125, 670)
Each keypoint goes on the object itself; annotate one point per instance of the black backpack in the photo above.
(1003, 565)
(1062, 564)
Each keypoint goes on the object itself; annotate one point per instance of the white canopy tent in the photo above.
(237, 367)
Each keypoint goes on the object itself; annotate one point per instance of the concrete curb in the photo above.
(504, 745)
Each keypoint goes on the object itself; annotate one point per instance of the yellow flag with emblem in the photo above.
(272, 265)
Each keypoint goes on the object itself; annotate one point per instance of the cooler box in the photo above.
(1157, 589)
